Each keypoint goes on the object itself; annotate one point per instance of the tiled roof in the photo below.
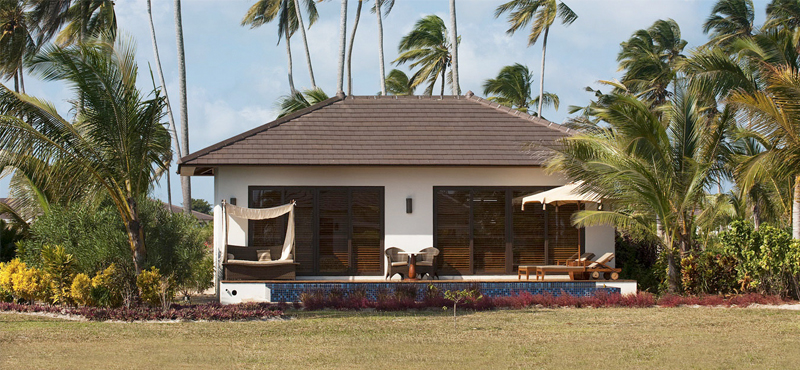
(390, 130)
(198, 215)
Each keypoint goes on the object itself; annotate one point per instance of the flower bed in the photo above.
(211, 311)
(317, 301)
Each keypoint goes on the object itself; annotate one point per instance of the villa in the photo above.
(371, 172)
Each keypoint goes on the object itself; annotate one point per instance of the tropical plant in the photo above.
(88, 18)
(398, 83)
(381, 9)
(651, 59)
(730, 20)
(653, 166)
(202, 206)
(350, 48)
(454, 46)
(427, 46)
(186, 182)
(10, 235)
(543, 14)
(342, 45)
(172, 128)
(117, 142)
(300, 100)
(512, 88)
(60, 268)
(16, 40)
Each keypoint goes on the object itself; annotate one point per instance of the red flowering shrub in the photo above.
(211, 311)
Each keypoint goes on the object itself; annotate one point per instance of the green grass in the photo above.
(536, 338)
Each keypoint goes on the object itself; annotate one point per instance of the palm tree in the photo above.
(88, 18)
(774, 114)
(350, 48)
(116, 142)
(186, 183)
(427, 46)
(543, 13)
(299, 100)
(342, 45)
(651, 60)
(289, 21)
(381, 8)
(311, 8)
(511, 87)
(651, 168)
(454, 45)
(398, 83)
(172, 128)
(729, 20)
(16, 40)
(784, 15)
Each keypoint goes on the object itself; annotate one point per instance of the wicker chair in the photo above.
(395, 263)
(426, 262)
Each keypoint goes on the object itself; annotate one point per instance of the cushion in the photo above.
(399, 263)
(264, 255)
(231, 256)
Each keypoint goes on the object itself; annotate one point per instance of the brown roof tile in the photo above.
(390, 130)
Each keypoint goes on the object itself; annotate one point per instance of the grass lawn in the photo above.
(535, 338)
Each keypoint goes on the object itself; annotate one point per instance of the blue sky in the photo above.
(235, 74)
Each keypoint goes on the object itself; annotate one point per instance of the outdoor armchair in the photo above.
(395, 263)
(426, 262)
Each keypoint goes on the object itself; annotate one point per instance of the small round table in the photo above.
(412, 264)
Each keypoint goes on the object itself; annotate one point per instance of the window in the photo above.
(338, 230)
(483, 230)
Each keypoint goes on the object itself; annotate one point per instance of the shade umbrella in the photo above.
(567, 194)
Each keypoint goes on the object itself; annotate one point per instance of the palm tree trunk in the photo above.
(378, 4)
(796, 209)
(444, 79)
(21, 80)
(342, 45)
(672, 272)
(541, 78)
(454, 51)
(305, 42)
(186, 185)
(136, 237)
(756, 217)
(350, 49)
(289, 59)
(16, 81)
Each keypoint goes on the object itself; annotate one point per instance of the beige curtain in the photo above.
(263, 214)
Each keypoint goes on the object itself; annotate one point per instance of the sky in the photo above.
(236, 74)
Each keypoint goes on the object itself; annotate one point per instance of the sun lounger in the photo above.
(593, 268)
(576, 258)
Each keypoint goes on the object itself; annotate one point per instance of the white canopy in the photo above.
(567, 194)
(262, 214)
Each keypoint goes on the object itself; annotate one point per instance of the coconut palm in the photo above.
(382, 8)
(116, 141)
(87, 18)
(729, 20)
(342, 45)
(784, 15)
(454, 46)
(427, 46)
(512, 88)
(170, 116)
(543, 14)
(350, 48)
(398, 83)
(285, 11)
(311, 8)
(652, 168)
(651, 59)
(186, 181)
(774, 114)
(16, 40)
(299, 100)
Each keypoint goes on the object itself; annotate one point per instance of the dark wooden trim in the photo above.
(509, 220)
(546, 235)
(471, 233)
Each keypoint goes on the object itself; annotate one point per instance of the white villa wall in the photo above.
(403, 230)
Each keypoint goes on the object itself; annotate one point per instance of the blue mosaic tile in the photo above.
(290, 292)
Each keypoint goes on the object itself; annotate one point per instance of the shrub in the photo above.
(154, 289)
(30, 284)
(709, 271)
(59, 266)
(638, 259)
(10, 235)
(81, 290)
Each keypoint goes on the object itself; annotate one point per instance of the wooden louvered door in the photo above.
(338, 230)
(528, 230)
(366, 231)
(563, 238)
(489, 231)
(453, 232)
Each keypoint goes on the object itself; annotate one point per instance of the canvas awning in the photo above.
(567, 194)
